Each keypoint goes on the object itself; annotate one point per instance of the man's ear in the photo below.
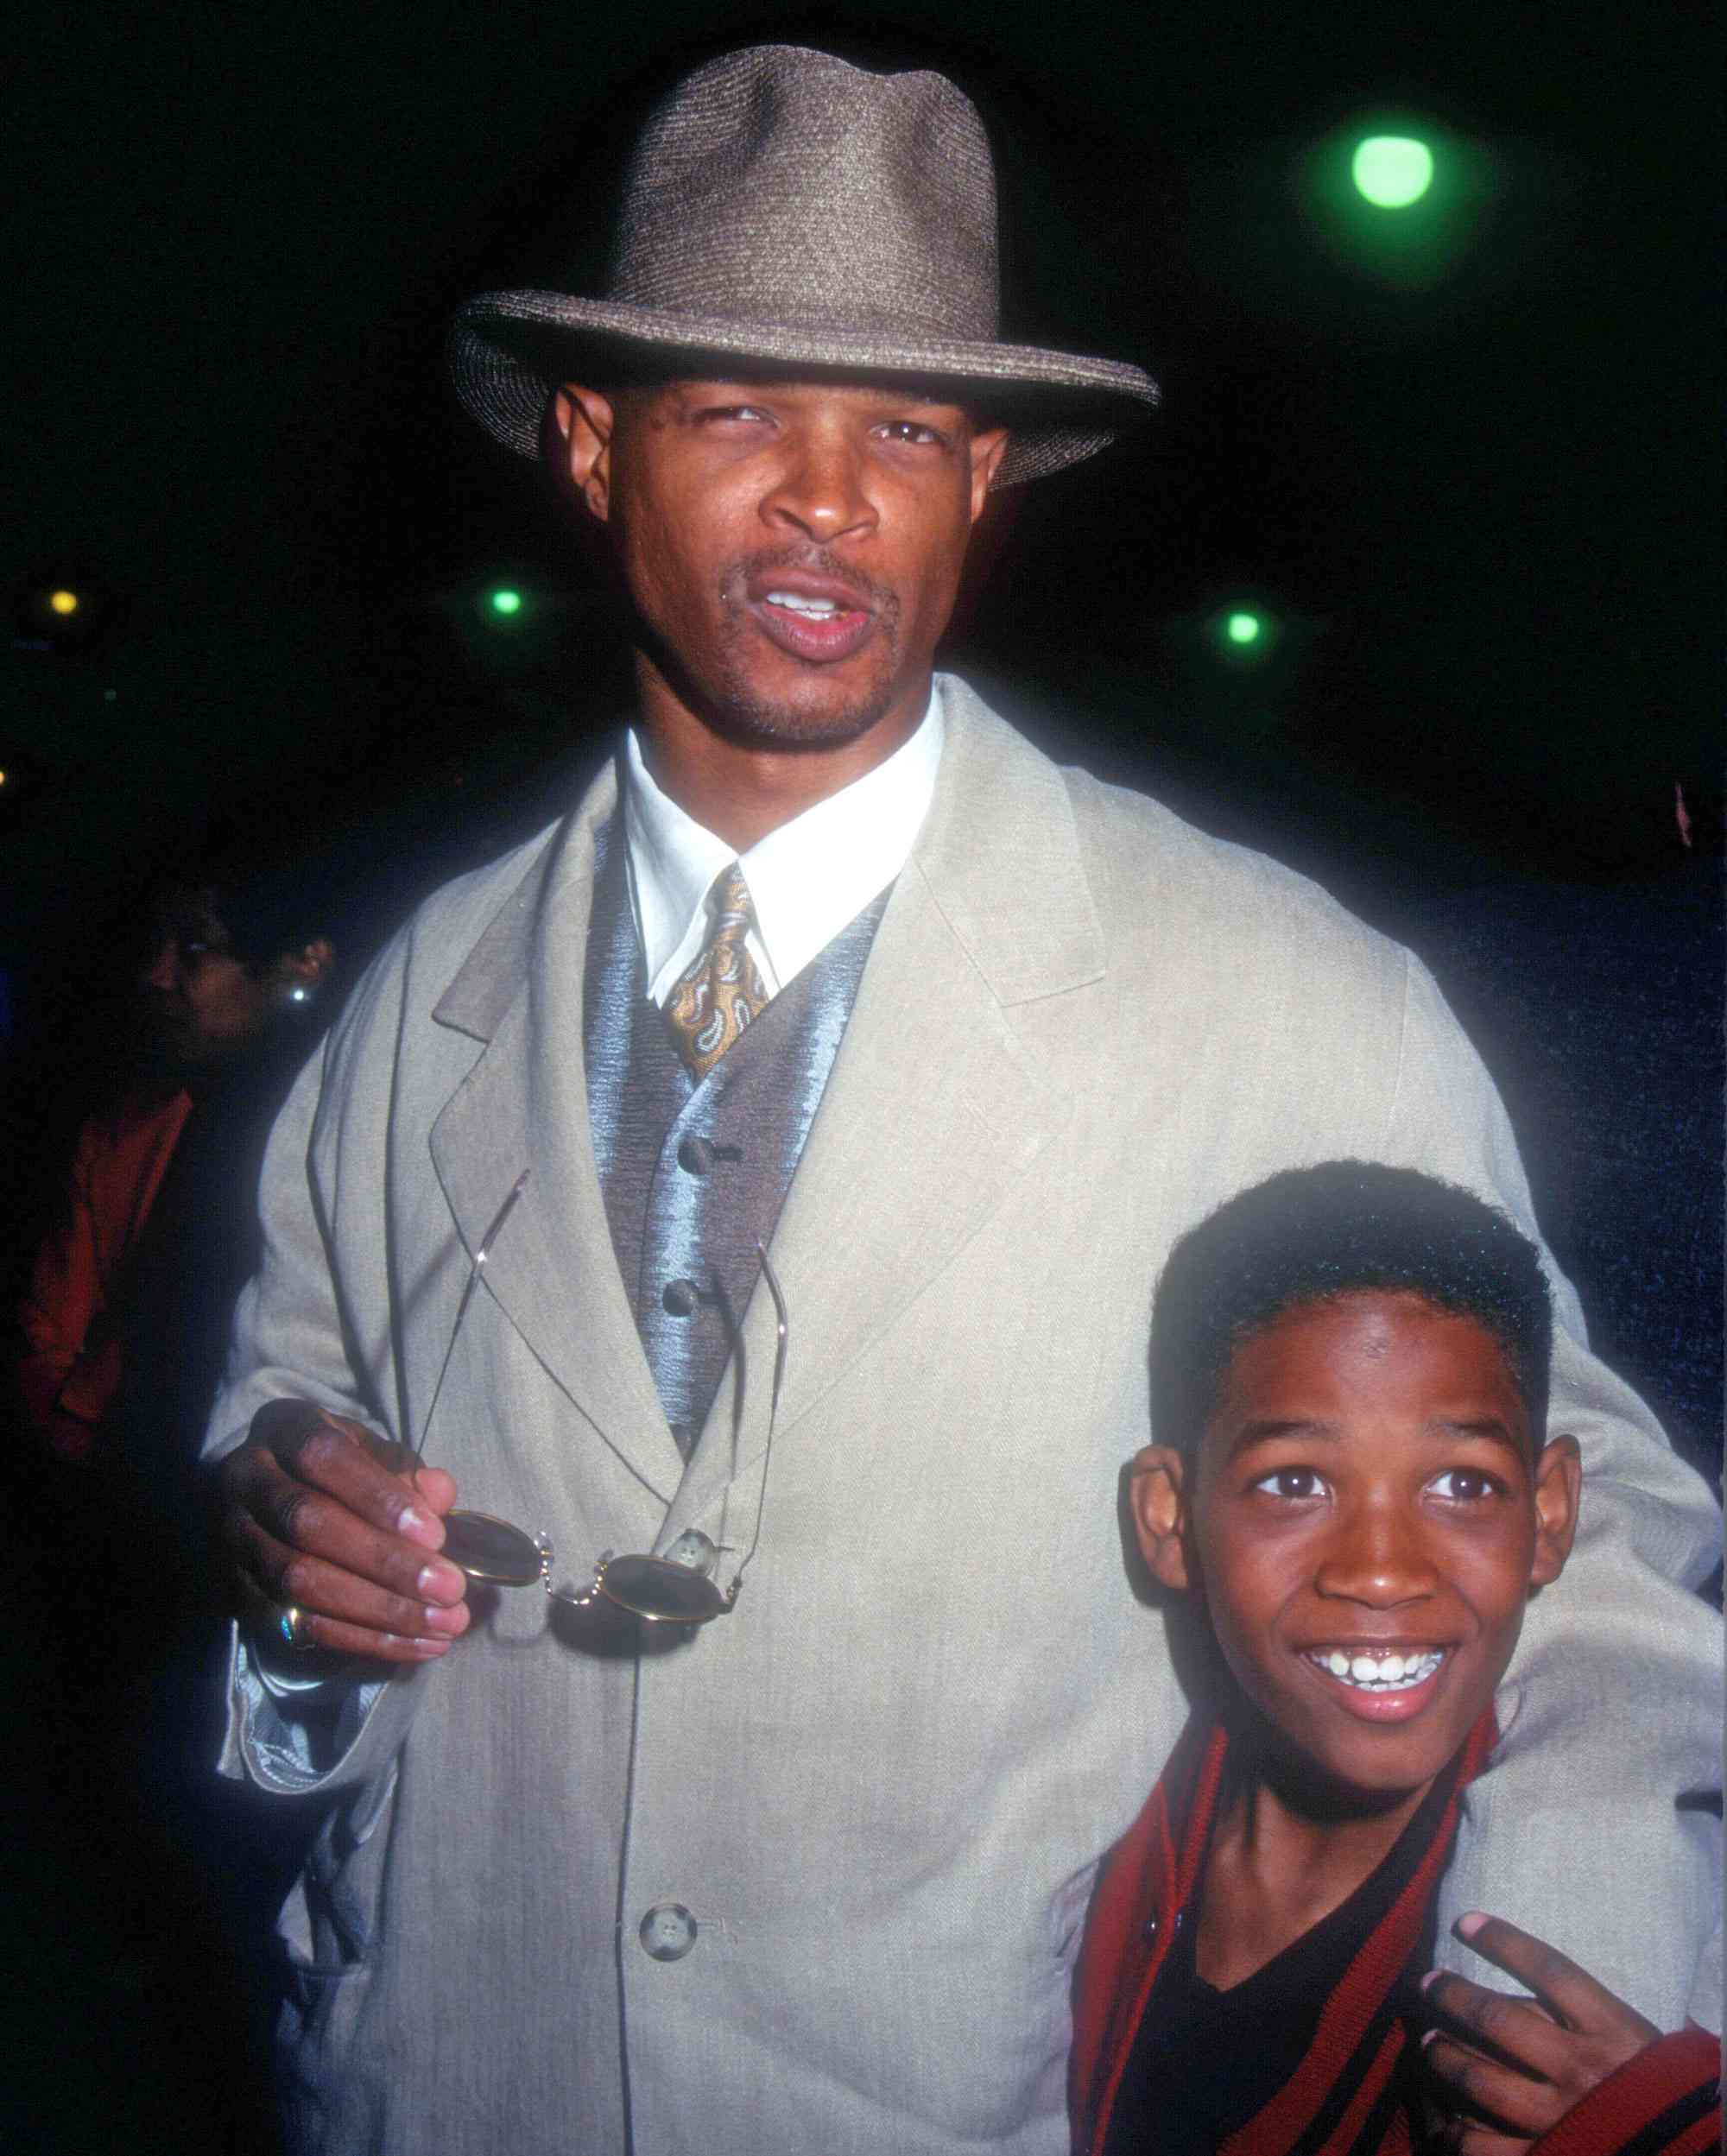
(296, 974)
(1156, 1491)
(1559, 1485)
(312, 963)
(988, 450)
(585, 419)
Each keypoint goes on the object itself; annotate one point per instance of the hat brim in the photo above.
(509, 351)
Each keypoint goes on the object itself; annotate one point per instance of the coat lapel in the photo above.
(992, 910)
(524, 1105)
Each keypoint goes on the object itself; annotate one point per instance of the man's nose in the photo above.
(163, 971)
(1378, 1557)
(820, 489)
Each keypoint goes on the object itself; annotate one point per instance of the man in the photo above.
(203, 1007)
(832, 961)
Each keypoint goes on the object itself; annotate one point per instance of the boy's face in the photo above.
(1365, 1517)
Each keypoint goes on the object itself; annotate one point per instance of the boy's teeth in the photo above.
(799, 604)
(1379, 1672)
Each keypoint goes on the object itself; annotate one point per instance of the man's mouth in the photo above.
(818, 610)
(1377, 1674)
(813, 619)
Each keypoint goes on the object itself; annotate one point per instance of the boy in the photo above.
(1349, 1373)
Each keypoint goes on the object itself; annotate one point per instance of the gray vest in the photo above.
(694, 1175)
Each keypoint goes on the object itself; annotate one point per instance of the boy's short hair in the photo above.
(1346, 1227)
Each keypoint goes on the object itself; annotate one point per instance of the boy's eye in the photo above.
(1292, 1483)
(1465, 1485)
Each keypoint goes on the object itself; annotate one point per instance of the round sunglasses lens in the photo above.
(660, 1592)
(490, 1550)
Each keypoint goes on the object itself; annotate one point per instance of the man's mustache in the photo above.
(879, 599)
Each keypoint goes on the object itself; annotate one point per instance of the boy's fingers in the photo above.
(1498, 2091)
(1488, 2141)
(1516, 2028)
(1577, 2000)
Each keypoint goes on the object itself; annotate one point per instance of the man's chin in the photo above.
(753, 719)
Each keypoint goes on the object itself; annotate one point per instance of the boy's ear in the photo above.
(1559, 1483)
(1156, 1492)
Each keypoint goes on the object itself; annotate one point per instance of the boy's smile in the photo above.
(1366, 1514)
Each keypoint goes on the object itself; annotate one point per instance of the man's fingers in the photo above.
(350, 1464)
(315, 1629)
(328, 1518)
(289, 1536)
(293, 1579)
(438, 1488)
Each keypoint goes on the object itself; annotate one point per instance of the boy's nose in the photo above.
(1378, 1558)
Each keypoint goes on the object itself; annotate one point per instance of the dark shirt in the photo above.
(1204, 2062)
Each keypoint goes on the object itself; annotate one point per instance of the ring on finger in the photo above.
(293, 1624)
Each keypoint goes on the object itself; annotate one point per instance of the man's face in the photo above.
(792, 549)
(200, 1001)
(1366, 1516)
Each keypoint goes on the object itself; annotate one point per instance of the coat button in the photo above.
(679, 1297)
(1150, 1929)
(668, 1930)
(695, 1156)
(694, 1549)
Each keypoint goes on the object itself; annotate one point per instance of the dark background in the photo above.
(1474, 482)
(1471, 476)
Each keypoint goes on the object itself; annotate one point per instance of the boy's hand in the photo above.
(1516, 2062)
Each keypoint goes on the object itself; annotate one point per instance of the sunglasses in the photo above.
(676, 1589)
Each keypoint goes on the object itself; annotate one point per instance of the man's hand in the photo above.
(328, 1518)
(1519, 2064)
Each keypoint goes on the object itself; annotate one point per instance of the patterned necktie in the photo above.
(712, 1002)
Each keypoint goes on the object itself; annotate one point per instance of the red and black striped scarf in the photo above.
(1338, 2101)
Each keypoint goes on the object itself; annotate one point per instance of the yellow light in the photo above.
(63, 602)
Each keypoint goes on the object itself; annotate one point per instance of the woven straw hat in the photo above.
(785, 206)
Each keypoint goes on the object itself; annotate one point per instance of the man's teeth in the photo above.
(1382, 1672)
(799, 604)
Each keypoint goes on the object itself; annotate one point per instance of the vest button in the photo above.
(695, 1156)
(680, 1299)
(668, 1932)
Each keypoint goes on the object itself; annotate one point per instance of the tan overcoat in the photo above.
(877, 1790)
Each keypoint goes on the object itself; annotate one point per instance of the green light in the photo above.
(506, 601)
(1392, 171)
(1244, 628)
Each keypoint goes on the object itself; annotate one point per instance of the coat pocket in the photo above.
(327, 1934)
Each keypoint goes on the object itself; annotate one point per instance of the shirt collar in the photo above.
(807, 879)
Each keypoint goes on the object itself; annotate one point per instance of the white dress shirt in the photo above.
(807, 880)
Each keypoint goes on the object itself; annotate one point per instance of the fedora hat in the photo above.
(784, 206)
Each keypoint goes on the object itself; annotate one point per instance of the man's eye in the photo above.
(1292, 1483)
(711, 413)
(1465, 1485)
(912, 431)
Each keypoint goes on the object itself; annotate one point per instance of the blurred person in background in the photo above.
(219, 1025)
